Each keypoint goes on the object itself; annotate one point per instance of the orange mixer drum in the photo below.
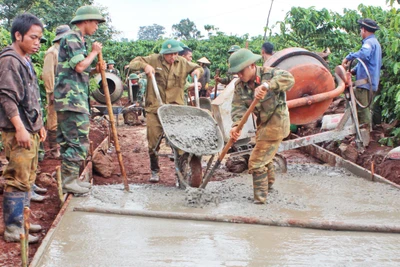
(311, 76)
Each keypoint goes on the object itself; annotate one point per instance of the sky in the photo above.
(233, 17)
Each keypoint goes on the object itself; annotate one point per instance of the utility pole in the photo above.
(266, 26)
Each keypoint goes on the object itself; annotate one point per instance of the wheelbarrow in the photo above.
(192, 133)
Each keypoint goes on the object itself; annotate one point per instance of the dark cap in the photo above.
(369, 24)
(60, 32)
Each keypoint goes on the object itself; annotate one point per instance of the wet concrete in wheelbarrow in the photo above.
(306, 192)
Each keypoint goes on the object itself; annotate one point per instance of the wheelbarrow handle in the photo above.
(156, 91)
(196, 91)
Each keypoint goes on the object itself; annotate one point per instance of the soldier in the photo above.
(71, 95)
(269, 86)
(48, 76)
(111, 69)
(170, 71)
(21, 122)
(371, 53)
(229, 77)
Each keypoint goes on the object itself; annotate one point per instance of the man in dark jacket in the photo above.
(21, 122)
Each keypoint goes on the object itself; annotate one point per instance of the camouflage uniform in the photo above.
(71, 95)
(19, 96)
(171, 81)
(113, 71)
(272, 123)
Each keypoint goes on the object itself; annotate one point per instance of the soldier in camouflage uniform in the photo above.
(21, 123)
(48, 76)
(170, 71)
(71, 95)
(229, 77)
(269, 86)
(111, 69)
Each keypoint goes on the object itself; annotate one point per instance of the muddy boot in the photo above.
(38, 189)
(155, 178)
(13, 208)
(84, 184)
(33, 228)
(36, 197)
(70, 183)
(271, 175)
(260, 187)
(54, 147)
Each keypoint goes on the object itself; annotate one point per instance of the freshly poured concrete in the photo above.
(305, 192)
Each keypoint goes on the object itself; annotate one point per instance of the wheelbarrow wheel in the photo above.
(192, 173)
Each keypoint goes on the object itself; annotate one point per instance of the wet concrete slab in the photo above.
(92, 239)
(305, 192)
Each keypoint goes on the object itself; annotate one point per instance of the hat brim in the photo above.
(244, 64)
(171, 50)
(77, 19)
(373, 28)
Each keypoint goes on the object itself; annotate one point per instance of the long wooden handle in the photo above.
(113, 127)
(216, 84)
(238, 128)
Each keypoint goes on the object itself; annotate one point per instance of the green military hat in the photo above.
(133, 76)
(170, 46)
(241, 59)
(233, 48)
(183, 45)
(87, 13)
(111, 62)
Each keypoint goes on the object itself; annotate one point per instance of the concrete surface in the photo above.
(305, 192)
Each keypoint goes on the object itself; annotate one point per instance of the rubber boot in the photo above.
(54, 147)
(36, 197)
(70, 183)
(13, 209)
(260, 187)
(84, 184)
(33, 228)
(271, 175)
(155, 178)
(38, 189)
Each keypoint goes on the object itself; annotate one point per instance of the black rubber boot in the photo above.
(13, 213)
(155, 168)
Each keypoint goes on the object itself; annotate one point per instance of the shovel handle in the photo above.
(196, 91)
(156, 91)
(238, 129)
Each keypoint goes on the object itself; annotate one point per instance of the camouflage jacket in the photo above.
(50, 67)
(170, 80)
(114, 71)
(142, 89)
(19, 92)
(71, 92)
(272, 112)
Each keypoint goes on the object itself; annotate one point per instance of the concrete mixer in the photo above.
(307, 101)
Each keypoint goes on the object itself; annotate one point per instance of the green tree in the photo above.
(186, 29)
(152, 32)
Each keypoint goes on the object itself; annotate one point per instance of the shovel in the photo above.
(230, 143)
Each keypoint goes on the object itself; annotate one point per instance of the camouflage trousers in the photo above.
(20, 172)
(73, 137)
(261, 166)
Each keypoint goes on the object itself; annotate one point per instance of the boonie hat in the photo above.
(60, 32)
